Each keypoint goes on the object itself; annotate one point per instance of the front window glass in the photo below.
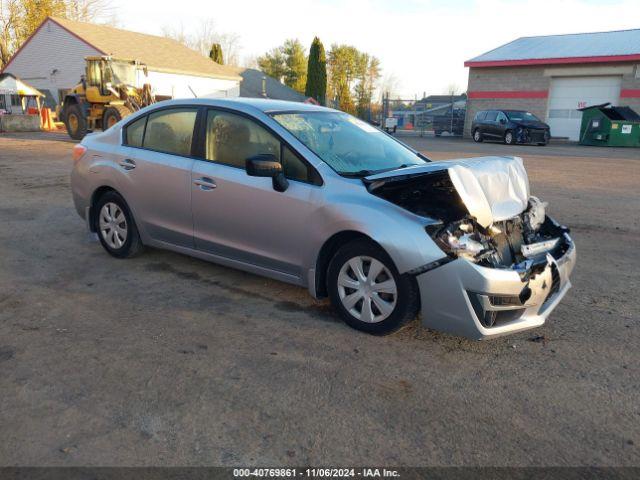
(171, 131)
(519, 116)
(231, 139)
(346, 144)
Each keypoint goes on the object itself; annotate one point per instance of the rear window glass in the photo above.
(480, 115)
(135, 131)
(171, 131)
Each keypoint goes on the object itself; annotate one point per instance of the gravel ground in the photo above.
(168, 360)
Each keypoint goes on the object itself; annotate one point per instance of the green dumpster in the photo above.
(609, 126)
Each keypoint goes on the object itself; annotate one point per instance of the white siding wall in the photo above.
(54, 48)
(51, 48)
(177, 86)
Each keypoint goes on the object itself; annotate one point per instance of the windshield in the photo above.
(349, 145)
(522, 116)
(123, 72)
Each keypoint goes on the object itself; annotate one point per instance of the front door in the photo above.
(156, 164)
(243, 218)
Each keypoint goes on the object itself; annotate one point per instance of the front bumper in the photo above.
(458, 296)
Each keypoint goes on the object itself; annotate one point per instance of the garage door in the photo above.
(570, 93)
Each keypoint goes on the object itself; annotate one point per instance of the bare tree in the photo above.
(90, 10)
(205, 35)
(453, 89)
(390, 86)
(250, 61)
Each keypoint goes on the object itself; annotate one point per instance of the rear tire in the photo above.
(75, 121)
(116, 227)
(477, 136)
(113, 115)
(372, 296)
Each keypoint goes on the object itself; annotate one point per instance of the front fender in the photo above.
(401, 234)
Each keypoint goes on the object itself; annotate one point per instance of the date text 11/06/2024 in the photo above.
(316, 472)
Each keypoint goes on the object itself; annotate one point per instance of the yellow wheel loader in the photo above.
(106, 94)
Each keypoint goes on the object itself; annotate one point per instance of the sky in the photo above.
(422, 44)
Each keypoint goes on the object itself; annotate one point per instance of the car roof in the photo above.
(265, 105)
(501, 110)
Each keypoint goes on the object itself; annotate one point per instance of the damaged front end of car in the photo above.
(506, 263)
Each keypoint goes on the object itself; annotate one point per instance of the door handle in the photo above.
(127, 164)
(205, 183)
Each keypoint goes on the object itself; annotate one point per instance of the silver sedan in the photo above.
(317, 198)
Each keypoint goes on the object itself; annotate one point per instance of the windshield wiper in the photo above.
(359, 173)
(366, 173)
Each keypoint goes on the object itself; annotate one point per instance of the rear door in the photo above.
(156, 163)
(243, 218)
(489, 124)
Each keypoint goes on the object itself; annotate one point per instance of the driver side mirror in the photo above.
(267, 165)
(503, 121)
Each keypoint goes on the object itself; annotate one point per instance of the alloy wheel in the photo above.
(113, 225)
(367, 289)
(508, 138)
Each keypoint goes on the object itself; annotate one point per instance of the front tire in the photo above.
(477, 136)
(367, 291)
(509, 139)
(75, 121)
(116, 228)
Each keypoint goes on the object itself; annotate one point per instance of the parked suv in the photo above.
(318, 198)
(509, 126)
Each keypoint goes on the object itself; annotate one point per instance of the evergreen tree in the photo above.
(316, 86)
(215, 54)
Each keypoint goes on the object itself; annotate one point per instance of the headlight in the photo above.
(461, 240)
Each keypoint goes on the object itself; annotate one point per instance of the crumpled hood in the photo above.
(491, 188)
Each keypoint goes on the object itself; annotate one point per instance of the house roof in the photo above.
(251, 86)
(158, 53)
(13, 85)
(622, 45)
(443, 98)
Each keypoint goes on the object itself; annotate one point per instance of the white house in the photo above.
(52, 60)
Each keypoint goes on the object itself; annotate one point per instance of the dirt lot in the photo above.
(167, 360)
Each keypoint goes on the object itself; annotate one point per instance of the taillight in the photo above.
(78, 151)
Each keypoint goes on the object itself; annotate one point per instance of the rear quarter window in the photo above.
(135, 132)
(480, 116)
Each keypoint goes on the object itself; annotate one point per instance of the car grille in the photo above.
(537, 136)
